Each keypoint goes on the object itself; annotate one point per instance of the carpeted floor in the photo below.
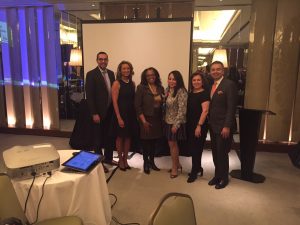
(276, 201)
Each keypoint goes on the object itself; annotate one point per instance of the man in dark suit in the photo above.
(221, 119)
(98, 94)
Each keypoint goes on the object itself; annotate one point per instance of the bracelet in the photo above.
(199, 124)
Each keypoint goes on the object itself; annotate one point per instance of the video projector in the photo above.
(23, 162)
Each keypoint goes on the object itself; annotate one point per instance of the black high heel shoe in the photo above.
(153, 166)
(128, 167)
(146, 168)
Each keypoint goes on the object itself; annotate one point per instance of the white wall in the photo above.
(163, 45)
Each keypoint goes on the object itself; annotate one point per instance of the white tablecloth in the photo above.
(83, 195)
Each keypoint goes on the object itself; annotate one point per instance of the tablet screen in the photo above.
(83, 161)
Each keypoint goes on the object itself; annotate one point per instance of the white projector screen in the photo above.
(163, 45)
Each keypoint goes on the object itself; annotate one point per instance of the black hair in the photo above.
(217, 62)
(179, 81)
(99, 53)
(157, 77)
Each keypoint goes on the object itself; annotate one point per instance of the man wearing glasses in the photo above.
(98, 95)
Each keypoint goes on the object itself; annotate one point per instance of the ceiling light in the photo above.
(196, 20)
(93, 5)
(205, 51)
(96, 16)
(220, 55)
(212, 25)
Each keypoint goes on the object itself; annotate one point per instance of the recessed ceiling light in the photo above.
(93, 5)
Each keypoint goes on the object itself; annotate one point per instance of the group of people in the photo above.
(119, 107)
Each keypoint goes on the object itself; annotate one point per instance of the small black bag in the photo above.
(294, 155)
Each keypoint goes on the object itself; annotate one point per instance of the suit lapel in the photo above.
(218, 88)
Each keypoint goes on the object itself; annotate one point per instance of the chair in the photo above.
(10, 206)
(174, 209)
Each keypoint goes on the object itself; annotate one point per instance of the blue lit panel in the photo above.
(23, 46)
(5, 48)
(50, 42)
(34, 73)
(41, 41)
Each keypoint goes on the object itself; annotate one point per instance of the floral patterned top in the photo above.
(176, 107)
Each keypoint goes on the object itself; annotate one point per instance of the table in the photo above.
(83, 195)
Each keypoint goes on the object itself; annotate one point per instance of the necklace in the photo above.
(199, 90)
(152, 91)
(126, 81)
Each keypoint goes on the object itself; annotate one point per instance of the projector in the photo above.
(24, 162)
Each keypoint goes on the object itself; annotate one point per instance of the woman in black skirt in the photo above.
(175, 118)
(197, 126)
(148, 105)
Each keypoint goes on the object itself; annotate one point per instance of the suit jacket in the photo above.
(144, 100)
(223, 106)
(96, 91)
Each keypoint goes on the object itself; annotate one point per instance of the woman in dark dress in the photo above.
(124, 119)
(148, 102)
(197, 125)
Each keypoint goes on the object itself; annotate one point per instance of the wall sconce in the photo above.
(220, 55)
(135, 13)
(158, 10)
(75, 57)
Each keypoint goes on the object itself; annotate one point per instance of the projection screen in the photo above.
(163, 45)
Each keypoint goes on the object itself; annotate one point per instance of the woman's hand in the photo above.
(174, 129)
(96, 118)
(198, 131)
(147, 126)
(121, 122)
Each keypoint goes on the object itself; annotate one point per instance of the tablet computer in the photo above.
(83, 161)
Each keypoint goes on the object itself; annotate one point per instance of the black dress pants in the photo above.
(220, 149)
(102, 139)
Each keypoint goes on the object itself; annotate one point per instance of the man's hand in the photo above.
(96, 118)
(225, 132)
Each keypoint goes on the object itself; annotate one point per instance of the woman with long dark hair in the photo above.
(175, 118)
(148, 102)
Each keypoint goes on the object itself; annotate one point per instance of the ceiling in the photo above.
(237, 33)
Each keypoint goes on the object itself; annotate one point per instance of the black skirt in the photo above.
(178, 136)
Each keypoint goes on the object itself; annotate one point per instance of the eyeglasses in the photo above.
(102, 59)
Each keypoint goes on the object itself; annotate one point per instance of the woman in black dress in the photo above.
(197, 125)
(148, 102)
(124, 119)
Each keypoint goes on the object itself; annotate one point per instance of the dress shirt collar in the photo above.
(102, 71)
(219, 81)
